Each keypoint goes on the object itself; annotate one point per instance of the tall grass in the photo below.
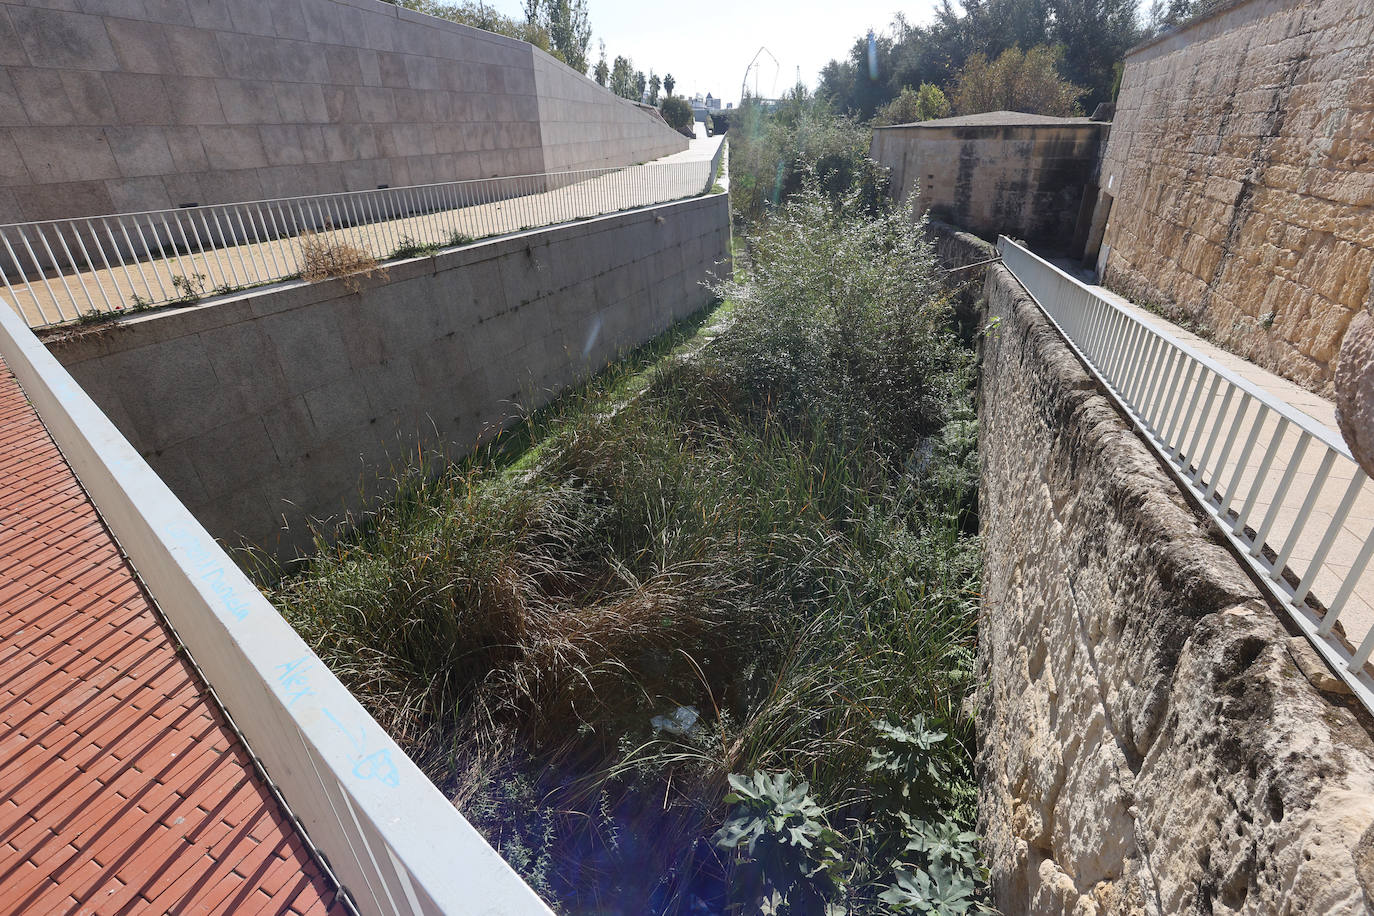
(772, 531)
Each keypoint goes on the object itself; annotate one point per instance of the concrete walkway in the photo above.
(122, 787)
(1357, 618)
(490, 208)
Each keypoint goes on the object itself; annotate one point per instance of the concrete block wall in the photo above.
(269, 408)
(1147, 741)
(584, 126)
(1241, 163)
(1025, 181)
(126, 105)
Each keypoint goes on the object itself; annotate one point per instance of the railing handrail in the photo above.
(1150, 373)
(268, 201)
(66, 269)
(1320, 431)
(395, 842)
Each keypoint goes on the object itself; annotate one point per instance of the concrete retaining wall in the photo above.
(133, 106)
(1147, 742)
(1027, 180)
(1242, 168)
(272, 407)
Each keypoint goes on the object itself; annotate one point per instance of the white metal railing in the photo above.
(63, 270)
(1280, 485)
(392, 839)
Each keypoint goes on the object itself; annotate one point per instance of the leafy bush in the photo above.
(788, 851)
(1017, 81)
(324, 256)
(678, 113)
(924, 104)
(773, 154)
(787, 556)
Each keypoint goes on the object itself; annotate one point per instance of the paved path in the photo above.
(122, 789)
(486, 209)
(1357, 618)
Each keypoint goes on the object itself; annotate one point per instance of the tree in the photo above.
(922, 104)
(641, 84)
(602, 73)
(480, 16)
(654, 84)
(668, 84)
(679, 115)
(568, 26)
(623, 77)
(1094, 35)
(931, 103)
(1028, 82)
(570, 30)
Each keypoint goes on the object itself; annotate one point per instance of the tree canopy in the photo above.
(1092, 35)
(1016, 82)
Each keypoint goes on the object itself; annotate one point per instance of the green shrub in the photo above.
(773, 154)
(768, 532)
(678, 113)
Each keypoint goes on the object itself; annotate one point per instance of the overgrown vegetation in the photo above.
(703, 647)
(1093, 36)
(774, 147)
(323, 256)
(1017, 81)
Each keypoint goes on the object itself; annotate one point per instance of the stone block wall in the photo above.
(1027, 181)
(1241, 161)
(1147, 744)
(277, 406)
(585, 127)
(126, 105)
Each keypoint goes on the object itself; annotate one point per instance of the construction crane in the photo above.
(744, 83)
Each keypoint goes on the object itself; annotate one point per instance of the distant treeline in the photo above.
(1091, 36)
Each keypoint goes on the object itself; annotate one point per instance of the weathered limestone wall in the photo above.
(134, 105)
(1147, 744)
(280, 405)
(1242, 164)
(1026, 181)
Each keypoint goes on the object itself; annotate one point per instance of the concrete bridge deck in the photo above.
(122, 787)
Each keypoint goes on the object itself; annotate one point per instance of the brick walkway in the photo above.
(122, 790)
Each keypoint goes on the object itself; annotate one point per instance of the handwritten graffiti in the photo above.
(209, 567)
(293, 680)
(375, 765)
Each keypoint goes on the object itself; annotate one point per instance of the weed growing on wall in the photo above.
(705, 647)
(323, 257)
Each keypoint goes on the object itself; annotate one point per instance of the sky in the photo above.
(707, 44)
